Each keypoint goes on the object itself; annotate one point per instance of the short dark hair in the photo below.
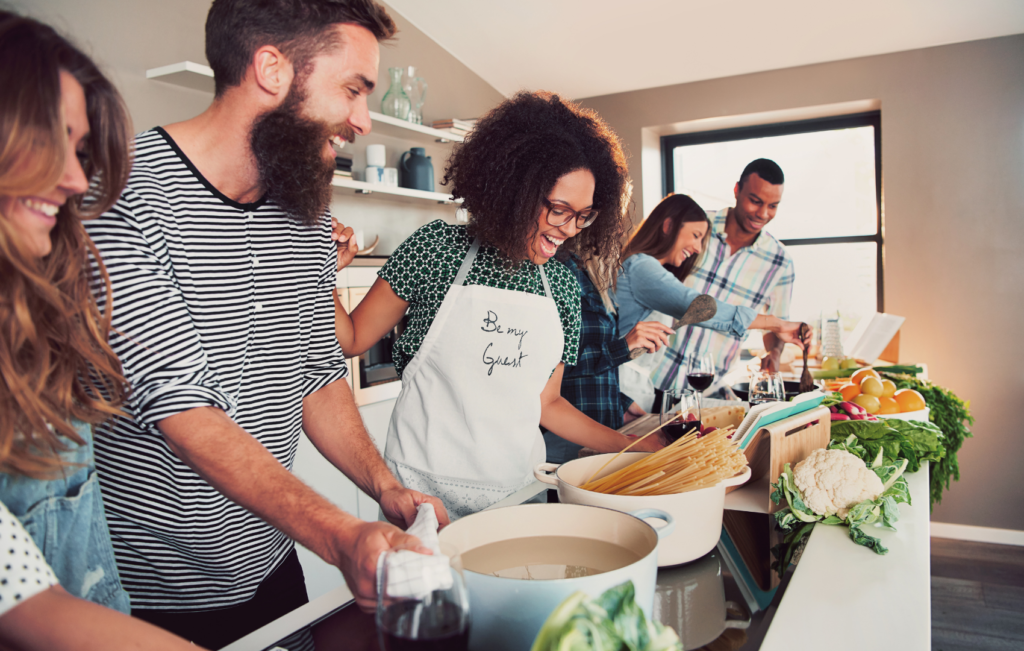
(513, 158)
(768, 170)
(235, 29)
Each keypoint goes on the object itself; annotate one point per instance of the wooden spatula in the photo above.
(701, 309)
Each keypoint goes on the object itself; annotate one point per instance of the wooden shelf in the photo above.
(200, 77)
(185, 73)
(401, 194)
(402, 128)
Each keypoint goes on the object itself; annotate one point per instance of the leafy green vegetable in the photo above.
(847, 372)
(953, 417)
(612, 622)
(884, 511)
(914, 441)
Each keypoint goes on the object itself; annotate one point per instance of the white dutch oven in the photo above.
(508, 613)
(698, 513)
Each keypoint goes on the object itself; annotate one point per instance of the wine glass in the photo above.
(409, 618)
(766, 386)
(700, 373)
(680, 414)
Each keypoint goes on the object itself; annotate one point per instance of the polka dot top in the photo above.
(424, 267)
(23, 570)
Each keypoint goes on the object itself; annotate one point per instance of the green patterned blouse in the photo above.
(424, 267)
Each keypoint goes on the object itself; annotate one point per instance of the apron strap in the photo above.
(467, 263)
(544, 279)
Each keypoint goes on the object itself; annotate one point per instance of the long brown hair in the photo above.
(55, 361)
(651, 238)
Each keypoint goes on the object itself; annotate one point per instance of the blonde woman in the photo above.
(61, 124)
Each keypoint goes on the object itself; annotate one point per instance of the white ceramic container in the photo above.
(506, 614)
(698, 514)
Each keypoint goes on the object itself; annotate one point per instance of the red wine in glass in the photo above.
(444, 624)
(700, 381)
(680, 428)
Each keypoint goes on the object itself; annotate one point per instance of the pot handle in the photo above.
(738, 479)
(542, 470)
(401, 161)
(670, 522)
(743, 622)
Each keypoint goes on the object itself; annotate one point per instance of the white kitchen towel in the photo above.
(415, 575)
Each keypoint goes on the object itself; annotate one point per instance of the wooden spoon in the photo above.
(806, 381)
(701, 309)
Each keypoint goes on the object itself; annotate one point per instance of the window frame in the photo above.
(867, 119)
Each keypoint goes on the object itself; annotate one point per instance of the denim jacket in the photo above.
(65, 518)
(644, 286)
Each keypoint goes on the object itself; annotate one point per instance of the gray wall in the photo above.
(953, 183)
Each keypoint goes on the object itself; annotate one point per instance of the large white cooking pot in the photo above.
(508, 613)
(698, 513)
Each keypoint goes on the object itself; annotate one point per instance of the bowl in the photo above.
(698, 513)
(742, 390)
(507, 613)
(921, 414)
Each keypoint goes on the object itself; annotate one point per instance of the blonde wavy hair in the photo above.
(55, 361)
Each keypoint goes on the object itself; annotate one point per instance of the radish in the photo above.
(836, 417)
(852, 408)
(833, 409)
(859, 417)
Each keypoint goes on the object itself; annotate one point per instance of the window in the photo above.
(830, 215)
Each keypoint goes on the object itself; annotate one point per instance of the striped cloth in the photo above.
(217, 304)
(759, 276)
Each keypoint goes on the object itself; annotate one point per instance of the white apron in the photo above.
(466, 427)
(635, 375)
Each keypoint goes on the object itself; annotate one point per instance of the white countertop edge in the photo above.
(844, 596)
(284, 626)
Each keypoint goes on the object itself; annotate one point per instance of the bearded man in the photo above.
(222, 266)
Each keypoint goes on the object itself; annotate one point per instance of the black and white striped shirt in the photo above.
(218, 304)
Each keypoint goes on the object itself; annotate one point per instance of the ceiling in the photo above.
(584, 48)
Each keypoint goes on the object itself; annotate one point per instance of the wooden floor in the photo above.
(977, 596)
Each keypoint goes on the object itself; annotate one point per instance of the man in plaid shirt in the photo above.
(743, 265)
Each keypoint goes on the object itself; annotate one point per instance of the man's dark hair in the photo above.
(235, 29)
(768, 170)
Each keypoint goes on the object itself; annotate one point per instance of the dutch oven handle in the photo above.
(738, 479)
(542, 473)
(670, 522)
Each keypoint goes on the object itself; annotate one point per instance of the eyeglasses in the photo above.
(560, 214)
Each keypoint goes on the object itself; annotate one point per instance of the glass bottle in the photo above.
(396, 103)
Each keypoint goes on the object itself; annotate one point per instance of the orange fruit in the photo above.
(888, 388)
(869, 403)
(859, 376)
(871, 386)
(909, 400)
(849, 391)
(889, 406)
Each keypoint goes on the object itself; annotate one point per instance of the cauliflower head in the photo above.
(832, 481)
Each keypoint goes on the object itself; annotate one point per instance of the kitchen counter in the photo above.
(840, 596)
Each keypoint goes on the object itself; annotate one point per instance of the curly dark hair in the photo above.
(513, 158)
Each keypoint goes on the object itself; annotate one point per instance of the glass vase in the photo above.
(396, 103)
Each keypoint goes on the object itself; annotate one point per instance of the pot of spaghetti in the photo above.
(686, 479)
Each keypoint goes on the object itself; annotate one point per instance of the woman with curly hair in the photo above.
(660, 255)
(493, 314)
(61, 123)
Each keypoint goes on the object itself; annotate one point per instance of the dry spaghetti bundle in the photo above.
(690, 463)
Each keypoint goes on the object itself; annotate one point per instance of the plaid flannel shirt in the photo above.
(592, 386)
(759, 276)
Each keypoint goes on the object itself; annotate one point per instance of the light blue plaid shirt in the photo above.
(759, 276)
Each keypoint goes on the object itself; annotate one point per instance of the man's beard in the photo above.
(289, 152)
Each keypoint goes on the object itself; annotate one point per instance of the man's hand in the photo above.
(359, 551)
(650, 335)
(635, 411)
(347, 246)
(399, 506)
